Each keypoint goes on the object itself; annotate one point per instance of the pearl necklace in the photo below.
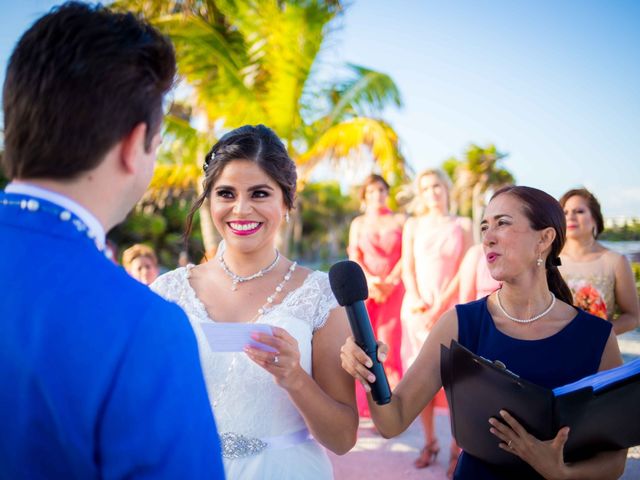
(261, 311)
(279, 288)
(240, 279)
(532, 319)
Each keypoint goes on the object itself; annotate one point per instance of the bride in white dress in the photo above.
(275, 411)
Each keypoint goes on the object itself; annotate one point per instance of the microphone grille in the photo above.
(348, 283)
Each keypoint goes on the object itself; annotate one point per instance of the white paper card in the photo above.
(233, 337)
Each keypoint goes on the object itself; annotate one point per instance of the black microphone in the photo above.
(349, 286)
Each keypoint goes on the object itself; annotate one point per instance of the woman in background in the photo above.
(600, 280)
(141, 262)
(375, 243)
(434, 244)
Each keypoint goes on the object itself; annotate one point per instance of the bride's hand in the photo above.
(355, 361)
(284, 363)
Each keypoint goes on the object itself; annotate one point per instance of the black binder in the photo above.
(478, 389)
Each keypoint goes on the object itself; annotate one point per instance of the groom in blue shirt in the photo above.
(99, 377)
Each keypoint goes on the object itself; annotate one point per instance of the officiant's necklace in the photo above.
(239, 278)
(528, 320)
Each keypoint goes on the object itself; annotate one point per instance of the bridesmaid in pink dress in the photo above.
(375, 243)
(434, 244)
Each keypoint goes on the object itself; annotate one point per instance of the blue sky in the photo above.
(556, 84)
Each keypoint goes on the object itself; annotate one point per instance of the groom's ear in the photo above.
(133, 148)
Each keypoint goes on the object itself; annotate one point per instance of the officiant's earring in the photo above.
(539, 261)
(287, 217)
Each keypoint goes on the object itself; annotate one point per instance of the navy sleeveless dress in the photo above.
(570, 354)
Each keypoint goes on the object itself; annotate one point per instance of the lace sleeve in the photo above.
(325, 300)
(170, 285)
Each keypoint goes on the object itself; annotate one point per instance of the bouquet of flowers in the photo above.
(589, 299)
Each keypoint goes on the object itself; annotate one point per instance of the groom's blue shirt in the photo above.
(99, 377)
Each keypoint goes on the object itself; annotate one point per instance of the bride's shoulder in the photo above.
(314, 278)
(171, 281)
(313, 300)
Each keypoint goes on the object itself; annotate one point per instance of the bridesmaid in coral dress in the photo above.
(434, 244)
(375, 243)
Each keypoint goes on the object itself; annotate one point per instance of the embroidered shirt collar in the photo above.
(93, 225)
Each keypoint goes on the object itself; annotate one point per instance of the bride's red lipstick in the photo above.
(244, 231)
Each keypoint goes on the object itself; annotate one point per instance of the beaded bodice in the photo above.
(244, 397)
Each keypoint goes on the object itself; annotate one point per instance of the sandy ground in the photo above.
(375, 458)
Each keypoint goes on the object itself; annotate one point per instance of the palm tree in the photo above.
(250, 62)
(478, 173)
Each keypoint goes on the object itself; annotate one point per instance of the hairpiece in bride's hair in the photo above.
(207, 160)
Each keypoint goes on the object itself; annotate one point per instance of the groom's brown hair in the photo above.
(79, 80)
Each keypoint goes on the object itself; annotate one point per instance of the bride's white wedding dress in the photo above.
(262, 433)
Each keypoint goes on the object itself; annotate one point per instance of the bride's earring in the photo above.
(287, 217)
(539, 261)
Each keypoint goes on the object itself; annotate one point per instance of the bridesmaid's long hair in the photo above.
(544, 211)
(417, 206)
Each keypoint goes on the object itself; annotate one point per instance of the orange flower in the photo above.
(589, 299)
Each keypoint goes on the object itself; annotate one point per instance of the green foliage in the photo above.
(160, 228)
(450, 165)
(326, 213)
(635, 266)
(628, 231)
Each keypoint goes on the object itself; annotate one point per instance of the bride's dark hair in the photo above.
(258, 144)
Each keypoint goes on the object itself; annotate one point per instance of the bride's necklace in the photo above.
(529, 320)
(239, 278)
(261, 312)
(279, 287)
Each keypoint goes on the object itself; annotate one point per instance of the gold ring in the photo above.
(509, 444)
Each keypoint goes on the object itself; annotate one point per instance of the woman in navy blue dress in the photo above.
(529, 324)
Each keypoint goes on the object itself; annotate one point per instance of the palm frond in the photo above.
(366, 93)
(283, 41)
(170, 180)
(350, 139)
(214, 62)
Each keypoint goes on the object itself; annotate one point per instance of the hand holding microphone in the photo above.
(349, 286)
